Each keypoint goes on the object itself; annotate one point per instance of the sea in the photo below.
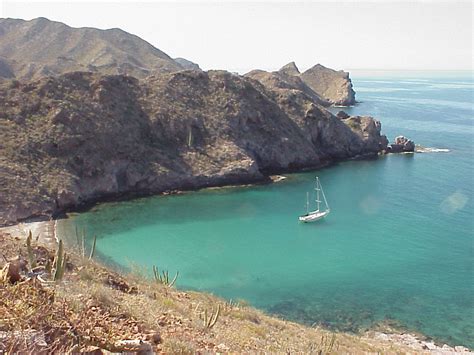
(396, 249)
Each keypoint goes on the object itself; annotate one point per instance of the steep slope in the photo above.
(187, 64)
(81, 137)
(335, 86)
(333, 138)
(290, 69)
(283, 80)
(41, 47)
(325, 86)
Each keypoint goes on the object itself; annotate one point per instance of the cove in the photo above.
(396, 246)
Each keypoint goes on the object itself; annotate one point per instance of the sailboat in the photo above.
(312, 216)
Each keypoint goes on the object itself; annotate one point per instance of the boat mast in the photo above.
(324, 197)
(317, 192)
(307, 203)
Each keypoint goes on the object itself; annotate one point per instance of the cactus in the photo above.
(31, 256)
(81, 244)
(47, 267)
(77, 238)
(83, 247)
(209, 322)
(163, 278)
(59, 262)
(91, 255)
(190, 137)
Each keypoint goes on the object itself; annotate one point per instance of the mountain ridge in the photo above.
(41, 47)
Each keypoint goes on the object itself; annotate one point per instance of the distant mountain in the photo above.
(187, 64)
(40, 47)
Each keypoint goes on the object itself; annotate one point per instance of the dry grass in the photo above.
(94, 307)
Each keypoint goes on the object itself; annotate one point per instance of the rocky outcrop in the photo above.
(39, 48)
(281, 81)
(290, 69)
(418, 344)
(325, 86)
(334, 86)
(342, 115)
(332, 137)
(187, 64)
(401, 144)
(82, 137)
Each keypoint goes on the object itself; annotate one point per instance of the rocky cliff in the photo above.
(38, 48)
(325, 86)
(335, 86)
(81, 137)
(187, 64)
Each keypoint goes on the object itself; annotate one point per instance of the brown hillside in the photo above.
(40, 47)
(81, 137)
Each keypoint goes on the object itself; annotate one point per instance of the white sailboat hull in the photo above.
(313, 216)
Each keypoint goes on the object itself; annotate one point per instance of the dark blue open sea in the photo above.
(397, 246)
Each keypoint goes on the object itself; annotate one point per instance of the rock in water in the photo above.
(402, 144)
(334, 86)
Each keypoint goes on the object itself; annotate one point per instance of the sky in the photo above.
(245, 35)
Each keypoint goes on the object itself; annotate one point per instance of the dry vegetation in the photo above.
(94, 308)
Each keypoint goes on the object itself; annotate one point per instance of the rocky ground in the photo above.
(95, 309)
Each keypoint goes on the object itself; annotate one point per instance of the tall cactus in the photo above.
(164, 278)
(59, 262)
(91, 255)
(211, 321)
(31, 256)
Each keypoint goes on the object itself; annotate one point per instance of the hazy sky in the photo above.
(240, 36)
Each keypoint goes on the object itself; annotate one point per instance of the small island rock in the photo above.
(402, 144)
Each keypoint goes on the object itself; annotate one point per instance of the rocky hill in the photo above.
(38, 48)
(81, 137)
(325, 86)
(187, 64)
(335, 86)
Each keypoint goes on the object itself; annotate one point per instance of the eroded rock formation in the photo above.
(334, 86)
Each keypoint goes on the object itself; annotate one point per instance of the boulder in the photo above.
(402, 144)
(342, 115)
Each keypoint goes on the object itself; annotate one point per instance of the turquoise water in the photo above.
(398, 244)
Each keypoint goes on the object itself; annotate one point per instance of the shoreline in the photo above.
(265, 179)
(45, 233)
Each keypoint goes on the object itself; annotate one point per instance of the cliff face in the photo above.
(335, 86)
(325, 86)
(38, 48)
(80, 137)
